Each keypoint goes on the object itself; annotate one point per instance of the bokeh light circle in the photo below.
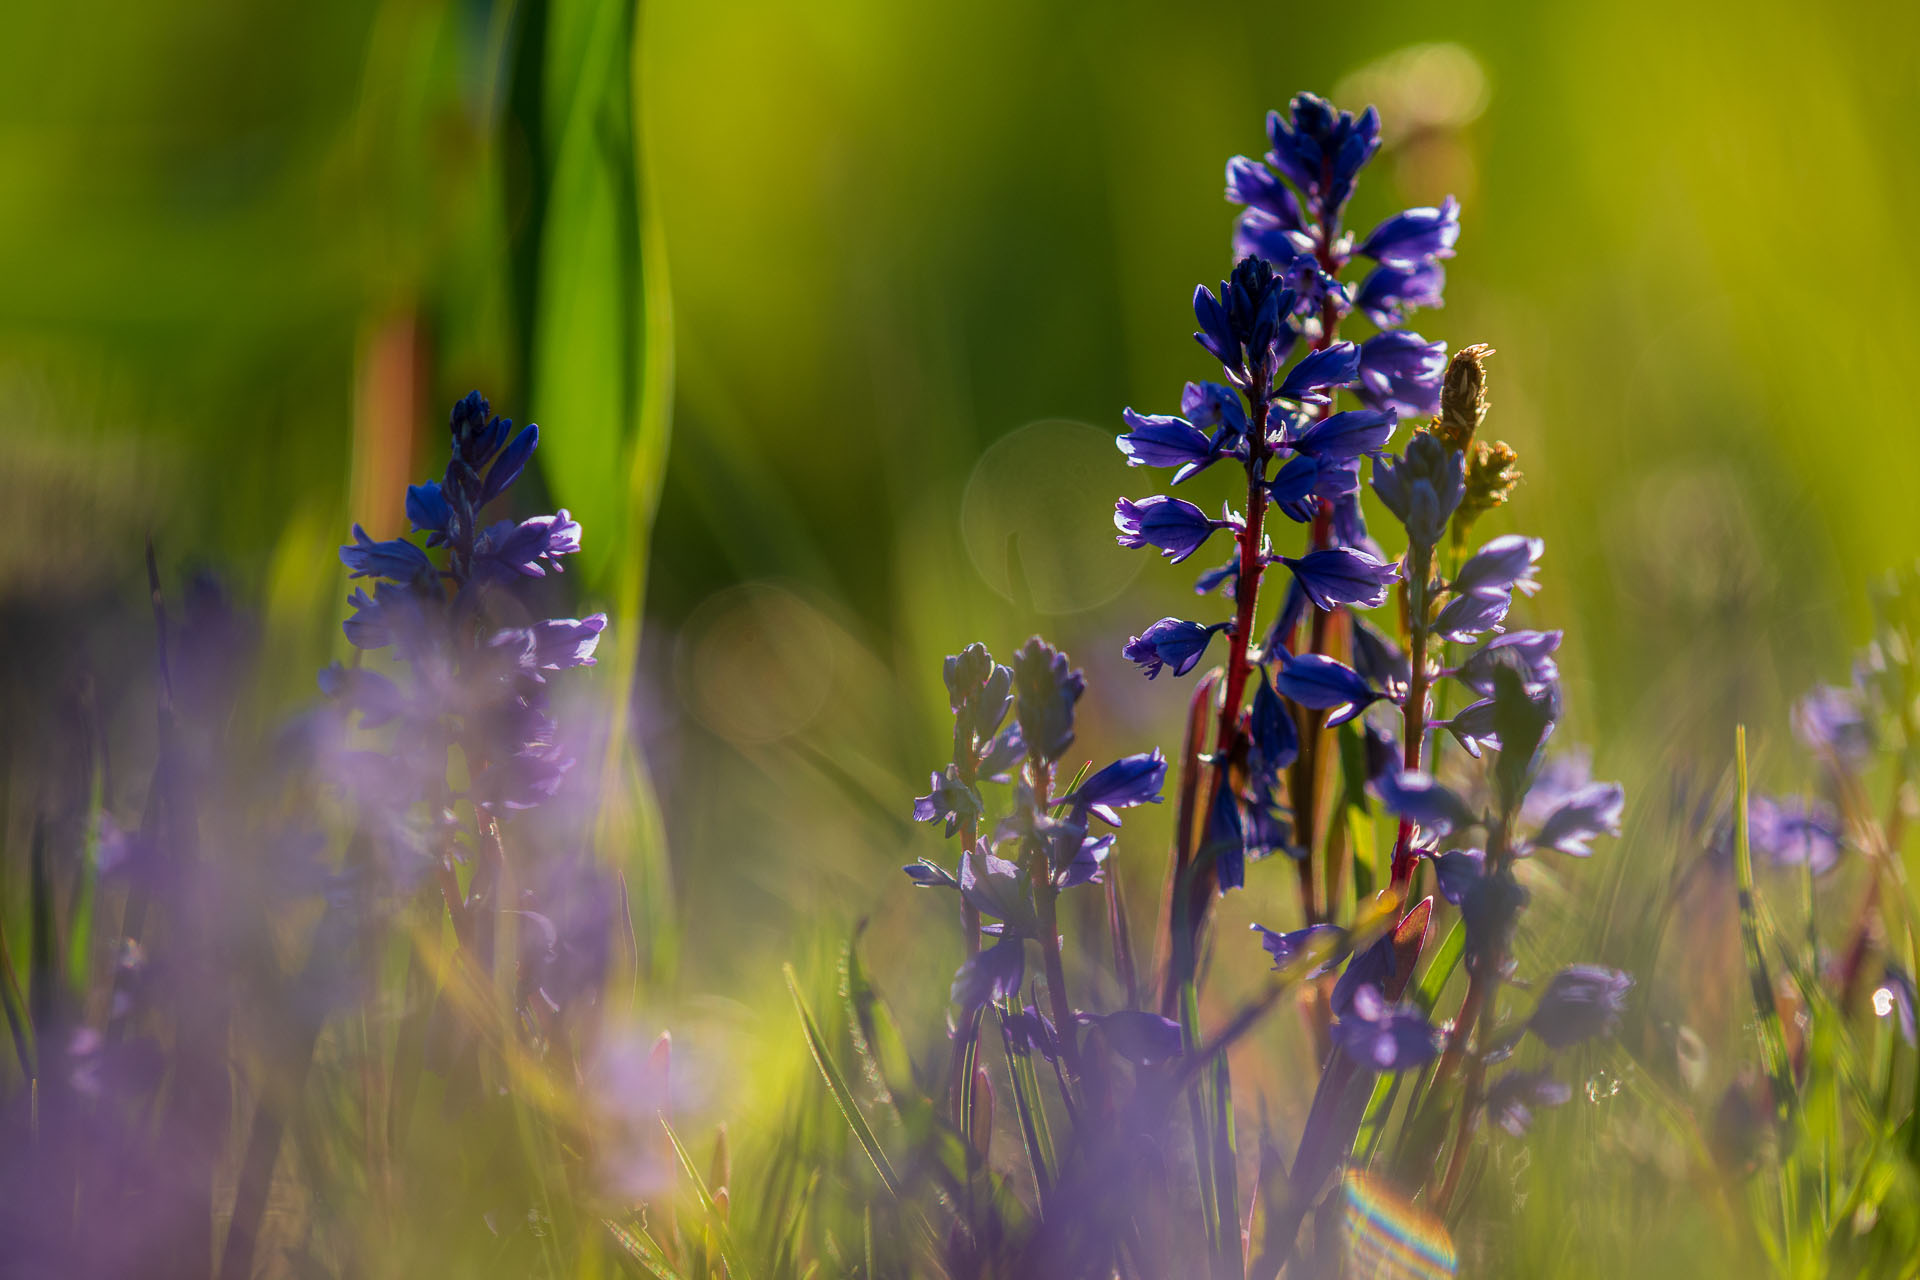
(1037, 516)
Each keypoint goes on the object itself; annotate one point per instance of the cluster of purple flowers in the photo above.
(474, 692)
(1012, 725)
(1321, 664)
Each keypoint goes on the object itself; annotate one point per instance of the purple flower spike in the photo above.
(1581, 1001)
(1410, 240)
(1334, 576)
(1380, 1037)
(1317, 681)
(1400, 372)
(1285, 948)
(1593, 810)
(1512, 1098)
(1128, 781)
(1170, 642)
(1177, 528)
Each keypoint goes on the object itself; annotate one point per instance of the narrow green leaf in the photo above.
(837, 1084)
(716, 1221)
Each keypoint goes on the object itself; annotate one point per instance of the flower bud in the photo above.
(1463, 396)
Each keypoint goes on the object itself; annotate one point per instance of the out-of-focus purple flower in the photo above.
(1468, 617)
(1176, 527)
(1895, 997)
(1128, 781)
(1028, 1030)
(1580, 1002)
(1170, 642)
(1400, 373)
(995, 973)
(1431, 805)
(1489, 911)
(1317, 681)
(1346, 435)
(1086, 864)
(1334, 576)
(1457, 871)
(428, 511)
(930, 875)
(1473, 726)
(376, 698)
(1389, 294)
(1144, 1039)
(1790, 832)
(1285, 948)
(1555, 782)
(1423, 488)
(1046, 688)
(1831, 720)
(1410, 240)
(1512, 1098)
(1334, 366)
(1531, 652)
(1593, 810)
(528, 549)
(948, 800)
(1380, 1037)
(1380, 661)
(1505, 564)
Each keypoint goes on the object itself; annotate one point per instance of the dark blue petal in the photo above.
(397, 559)
(1347, 435)
(1128, 781)
(1157, 441)
(1317, 681)
(1401, 372)
(1176, 528)
(1335, 576)
(1170, 642)
(508, 466)
(1416, 237)
(1335, 366)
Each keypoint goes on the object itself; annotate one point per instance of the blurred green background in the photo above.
(891, 271)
